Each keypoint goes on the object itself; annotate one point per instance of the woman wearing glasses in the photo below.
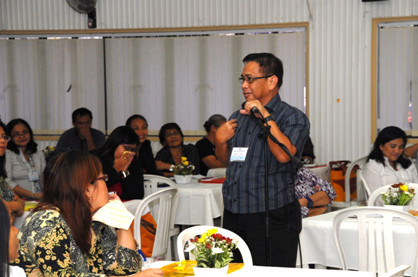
(120, 162)
(11, 200)
(171, 137)
(60, 239)
(24, 163)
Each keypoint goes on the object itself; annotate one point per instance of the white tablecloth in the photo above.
(284, 272)
(198, 203)
(318, 243)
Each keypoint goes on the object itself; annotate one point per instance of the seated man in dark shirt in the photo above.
(82, 136)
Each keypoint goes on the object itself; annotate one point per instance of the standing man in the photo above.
(240, 147)
(82, 136)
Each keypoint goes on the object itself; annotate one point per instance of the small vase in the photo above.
(183, 179)
(399, 208)
(210, 272)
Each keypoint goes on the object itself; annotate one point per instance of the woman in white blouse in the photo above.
(24, 163)
(386, 164)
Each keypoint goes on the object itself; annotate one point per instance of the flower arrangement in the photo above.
(48, 150)
(398, 194)
(185, 168)
(212, 250)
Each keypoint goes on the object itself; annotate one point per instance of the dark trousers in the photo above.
(286, 224)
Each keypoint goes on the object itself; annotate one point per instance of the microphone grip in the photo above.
(253, 109)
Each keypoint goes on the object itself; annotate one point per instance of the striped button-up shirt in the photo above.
(243, 190)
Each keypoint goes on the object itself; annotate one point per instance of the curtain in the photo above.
(182, 79)
(397, 102)
(187, 79)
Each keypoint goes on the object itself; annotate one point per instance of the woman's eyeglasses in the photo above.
(5, 137)
(103, 178)
(23, 133)
(172, 134)
(129, 147)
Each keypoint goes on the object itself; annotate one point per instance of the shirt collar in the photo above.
(273, 104)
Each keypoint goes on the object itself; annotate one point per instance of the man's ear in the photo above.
(272, 82)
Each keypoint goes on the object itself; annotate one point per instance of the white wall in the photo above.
(339, 47)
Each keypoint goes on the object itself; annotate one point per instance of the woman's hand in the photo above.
(21, 204)
(122, 162)
(150, 272)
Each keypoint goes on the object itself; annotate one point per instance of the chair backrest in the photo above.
(216, 172)
(377, 194)
(163, 216)
(360, 190)
(365, 185)
(153, 183)
(375, 234)
(192, 232)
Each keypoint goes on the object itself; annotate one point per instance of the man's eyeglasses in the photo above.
(129, 147)
(5, 137)
(23, 133)
(103, 178)
(250, 79)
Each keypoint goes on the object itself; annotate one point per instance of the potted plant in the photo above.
(398, 196)
(183, 171)
(213, 253)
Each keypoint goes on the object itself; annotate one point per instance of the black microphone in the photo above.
(253, 110)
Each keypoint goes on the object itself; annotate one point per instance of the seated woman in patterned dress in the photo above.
(60, 239)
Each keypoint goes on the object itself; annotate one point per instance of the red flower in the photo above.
(207, 245)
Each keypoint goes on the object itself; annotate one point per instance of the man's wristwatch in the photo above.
(268, 118)
(172, 168)
(310, 202)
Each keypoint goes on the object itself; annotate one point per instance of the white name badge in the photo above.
(33, 176)
(238, 154)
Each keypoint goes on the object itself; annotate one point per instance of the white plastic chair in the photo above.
(376, 249)
(377, 194)
(152, 183)
(216, 172)
(366, 186)
(192, 232)
(164, 217)
(360, 190)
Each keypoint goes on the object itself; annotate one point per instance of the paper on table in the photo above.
(114, 214)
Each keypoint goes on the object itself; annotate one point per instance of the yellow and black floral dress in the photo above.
(48, 249)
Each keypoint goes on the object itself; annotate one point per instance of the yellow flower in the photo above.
(186, 163)
(212, 231)
(183, 159)
(203, 238)
(404, 187)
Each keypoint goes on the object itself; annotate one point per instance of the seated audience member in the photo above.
(314, 193)
(206, 146)
(386, 164)
(171, 137)
(12, 201)
(121, 164)
(81, 136)
(308, 156)
(146, 159)
(9, 244)
(59, 238)
(24, 163)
